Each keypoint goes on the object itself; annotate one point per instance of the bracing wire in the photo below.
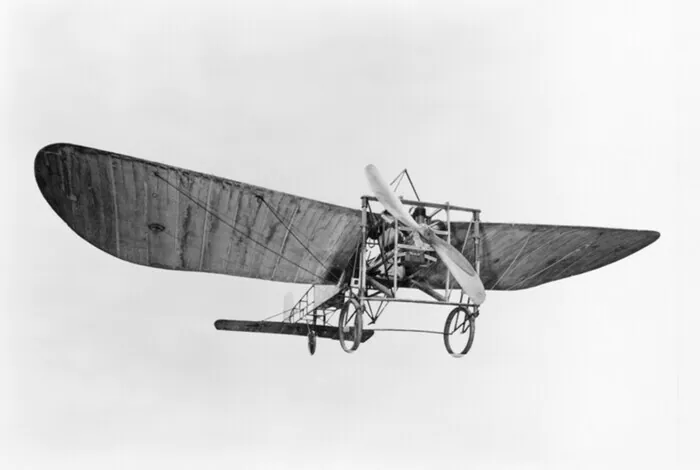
(227, 223)
(405, 330)
(278, 314)
(289, 229)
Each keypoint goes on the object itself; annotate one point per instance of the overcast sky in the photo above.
(562, 112)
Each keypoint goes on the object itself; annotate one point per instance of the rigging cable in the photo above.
(412, 187)
(289, 229)
(404, 330)
(203, 206)
(289, 310)
(278, 314)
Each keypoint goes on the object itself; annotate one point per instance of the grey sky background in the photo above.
(579, 113)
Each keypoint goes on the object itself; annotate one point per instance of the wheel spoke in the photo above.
(458, 319)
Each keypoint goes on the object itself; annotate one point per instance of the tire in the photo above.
(357, 325)
(449, 330)
(312, 342)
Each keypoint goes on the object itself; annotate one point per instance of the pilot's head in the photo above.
(387, 218)
(418, 214)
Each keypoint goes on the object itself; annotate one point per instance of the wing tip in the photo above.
(652, 235)
(646, 238)
(41, 162)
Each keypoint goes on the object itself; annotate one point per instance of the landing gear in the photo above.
(350, 326)
(312, 342)
(459, 331)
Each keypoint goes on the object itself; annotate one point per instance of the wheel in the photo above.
(350, 326)
(312, 342)
(459, 329)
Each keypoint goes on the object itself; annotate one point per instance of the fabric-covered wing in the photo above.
(519, 256)
(166, 217)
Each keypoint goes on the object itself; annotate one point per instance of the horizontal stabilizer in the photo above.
(283, 328)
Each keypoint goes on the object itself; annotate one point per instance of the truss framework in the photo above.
(376, 288)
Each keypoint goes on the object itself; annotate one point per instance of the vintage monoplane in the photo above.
(356, 261)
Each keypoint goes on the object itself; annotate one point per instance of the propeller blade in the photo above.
(382, 191)
(456, 263)
(460, 268)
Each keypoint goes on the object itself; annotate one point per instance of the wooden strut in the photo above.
(429, 204)
(380, 287)
(283, 328)
(390, 295)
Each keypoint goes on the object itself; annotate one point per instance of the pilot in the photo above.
(386, 235)
(415, 259)
(419, 215)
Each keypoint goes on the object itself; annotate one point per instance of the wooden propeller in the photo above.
(460, 268)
